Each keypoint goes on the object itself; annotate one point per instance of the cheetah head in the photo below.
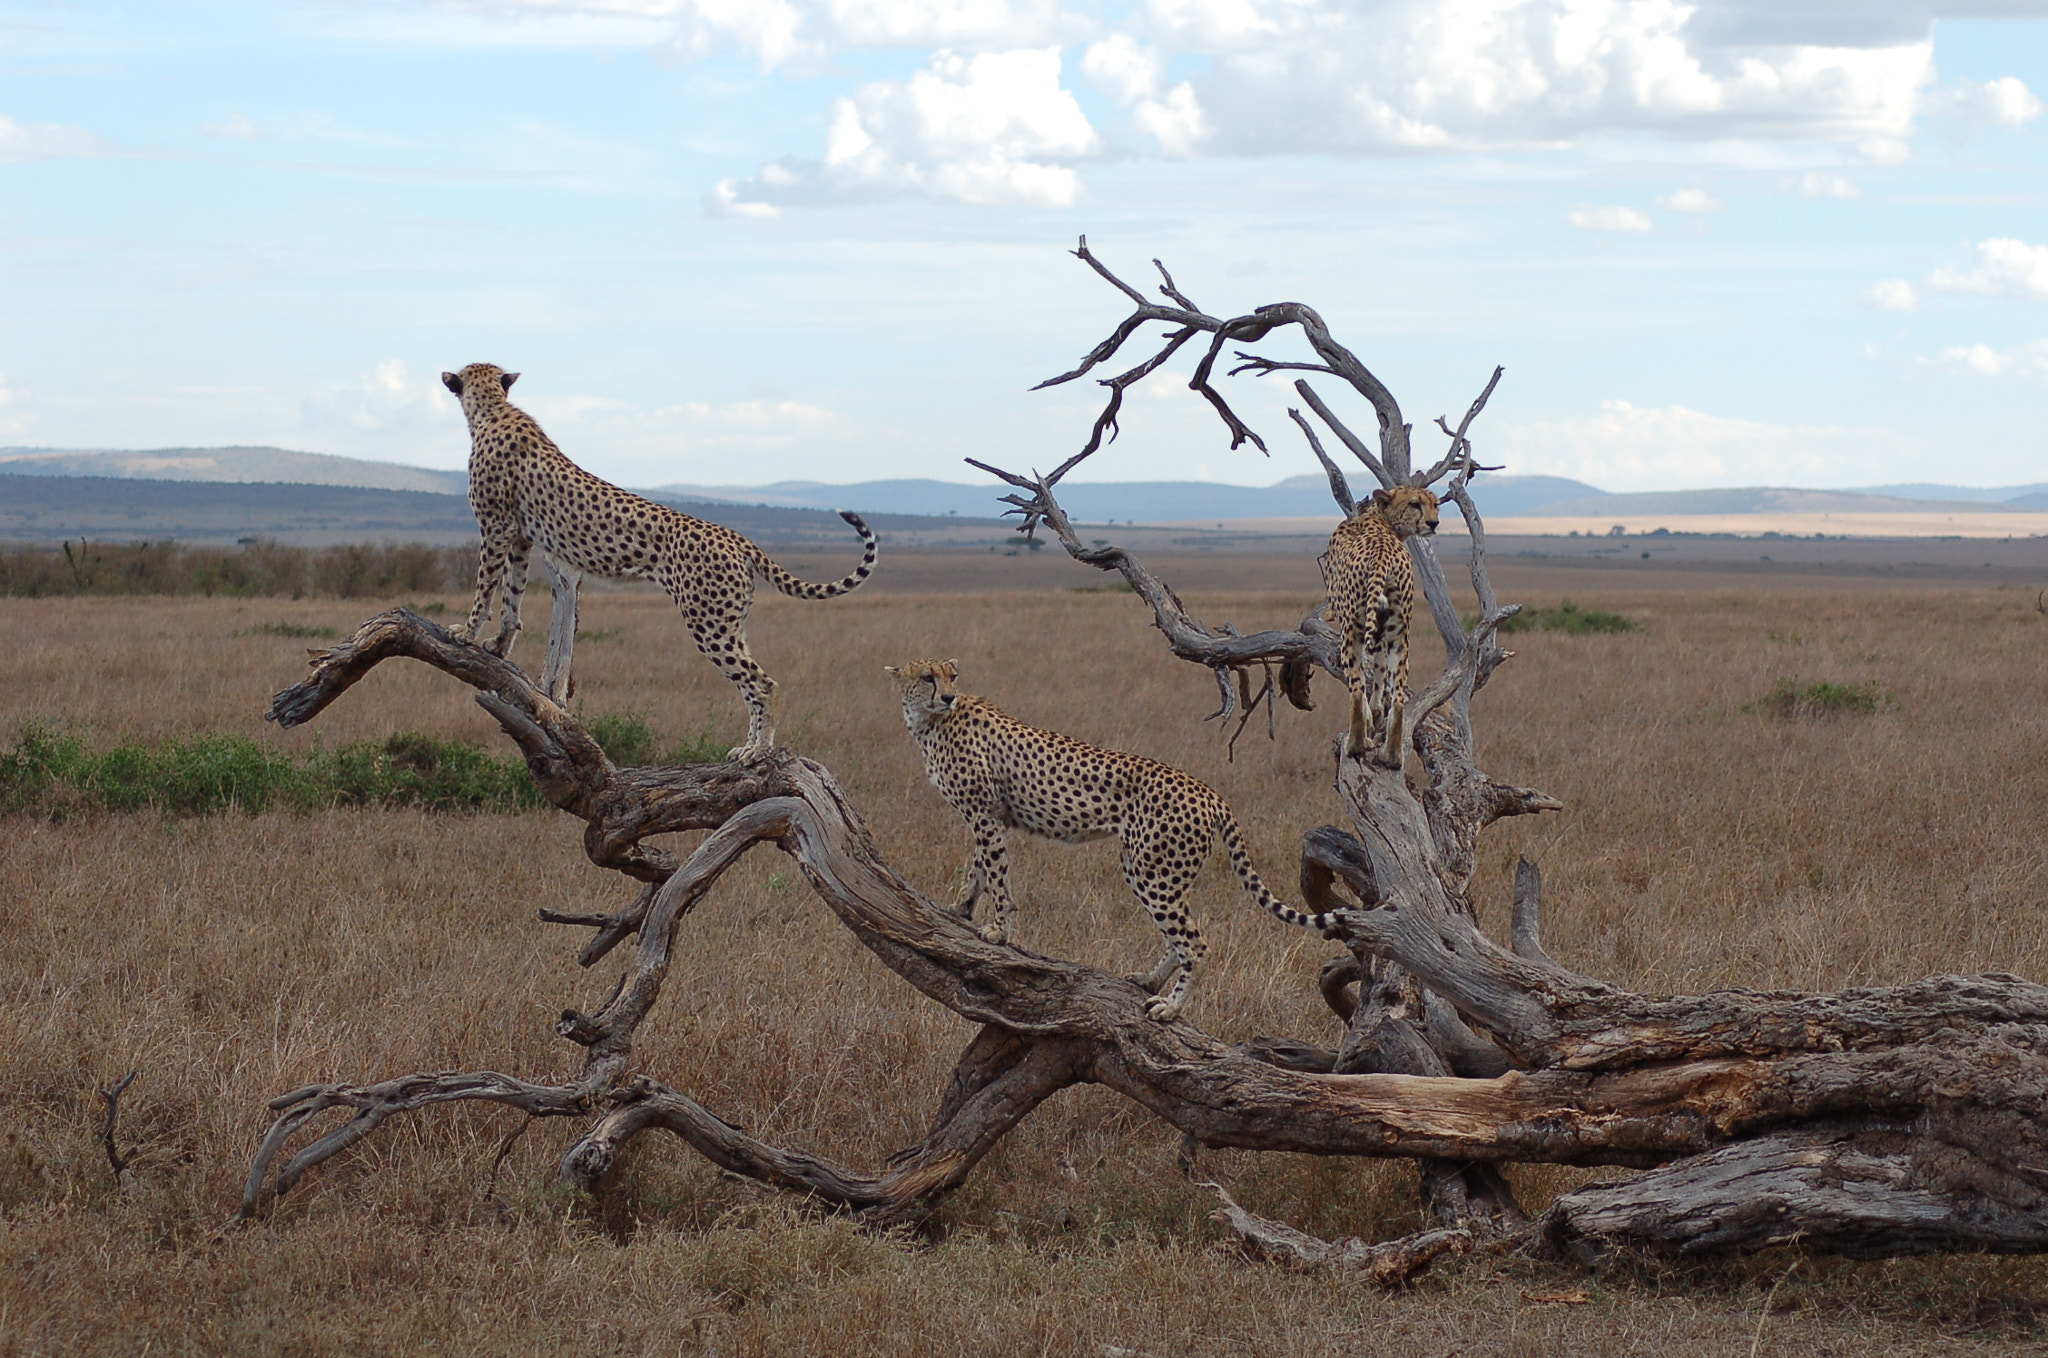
(479, 382)
(1408, 510)
(926, 687)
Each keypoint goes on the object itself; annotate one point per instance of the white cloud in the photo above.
(1891, 294)
(1615, 220)
(1132, 75)
(43, 141)
(237, 127)
(1690, 200)
(990, 128)
(1293, 75)
(2006, 102)
(386, 400)
(2028, 362)
(1817, 184)
(778, 32)
(2004, 268)
(1629, 447)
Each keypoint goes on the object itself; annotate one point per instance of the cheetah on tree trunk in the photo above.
(1001, 775)
(526, 494)
(1372, 597)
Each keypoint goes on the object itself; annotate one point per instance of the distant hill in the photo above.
(51, 508)
(1928, 490)
(1121, 501)
(1757, 500)
(231, 465)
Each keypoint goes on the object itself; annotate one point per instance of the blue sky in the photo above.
(740, 241)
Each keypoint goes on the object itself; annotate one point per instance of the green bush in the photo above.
(1569, 617)
(290, 629)
(257, 568)
(1822, 699)
(627, 738)
(56, 773)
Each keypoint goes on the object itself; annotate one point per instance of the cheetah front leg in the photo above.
(991, 871)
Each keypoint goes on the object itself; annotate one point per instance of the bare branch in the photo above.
(124, 1177)
(1344, 435)
(1461, 448)
(1340, 485)
(1393, 1264)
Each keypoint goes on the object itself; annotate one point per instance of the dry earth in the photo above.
(229, 960)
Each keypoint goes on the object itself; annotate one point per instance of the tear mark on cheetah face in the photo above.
(526, 494)
(1003, 775)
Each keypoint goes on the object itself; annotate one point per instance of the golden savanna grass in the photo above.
(232, 959)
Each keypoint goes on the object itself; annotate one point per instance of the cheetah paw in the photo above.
(1162, 1011)
(993, 933)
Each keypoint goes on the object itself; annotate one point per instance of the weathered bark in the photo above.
(1870, 1121)
(1957, 1064)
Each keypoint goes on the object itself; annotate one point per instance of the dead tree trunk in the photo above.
(1872, 1121)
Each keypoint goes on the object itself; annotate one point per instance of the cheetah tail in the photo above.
(804, 589)
(1241, 863)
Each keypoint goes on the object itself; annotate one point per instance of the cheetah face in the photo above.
(926, 687)
(1408, 510)
(480, 380)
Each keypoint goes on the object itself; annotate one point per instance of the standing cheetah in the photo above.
(1001, 775)
(527, 494)
(1372, 597)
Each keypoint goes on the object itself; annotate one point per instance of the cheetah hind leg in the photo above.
(1166, 1008)
(971, 885)
(514, 595)
(1155, 979)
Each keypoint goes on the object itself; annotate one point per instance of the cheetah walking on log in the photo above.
(1002, 775)
(526, 494)
(1372, 598)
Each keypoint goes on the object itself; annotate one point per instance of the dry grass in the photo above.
(232, 959)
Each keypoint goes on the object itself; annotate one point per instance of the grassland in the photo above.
(229, 958)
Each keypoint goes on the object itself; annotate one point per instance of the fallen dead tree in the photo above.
(1871, 1121)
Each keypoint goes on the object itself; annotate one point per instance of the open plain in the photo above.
(1706, 844)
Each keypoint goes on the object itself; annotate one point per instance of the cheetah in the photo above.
(1001, 775)
(527, 494)
(1372, 597)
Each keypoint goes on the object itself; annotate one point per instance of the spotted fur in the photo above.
(1372, 598)
(1003, 775)
(526, 494)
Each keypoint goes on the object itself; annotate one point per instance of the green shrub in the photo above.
(55, 773)
(258, 567)
(627, 738)
(1822, 699)
(290, 629)
(1569, 617)
(706, 747)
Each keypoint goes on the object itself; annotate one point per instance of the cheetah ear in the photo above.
(891, 670)
(1383, 498)
(951, 669)
(506, 380)
(452, 382)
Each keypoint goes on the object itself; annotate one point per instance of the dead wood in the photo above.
(119, 1164)
(1874, 1121)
